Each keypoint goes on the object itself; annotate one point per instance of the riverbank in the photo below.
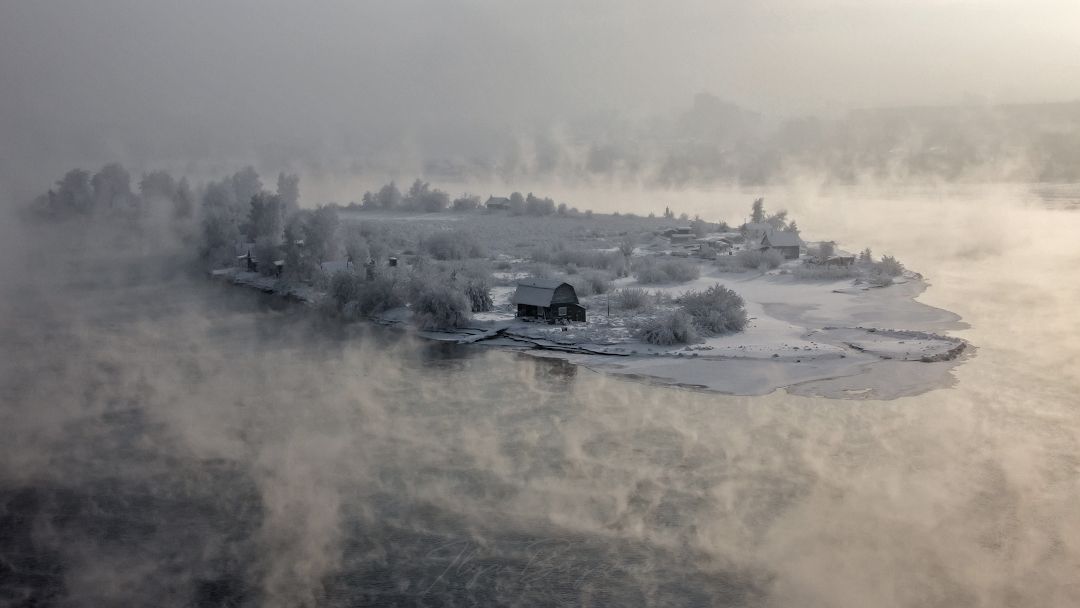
(835, 339)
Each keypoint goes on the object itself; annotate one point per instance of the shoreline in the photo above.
(804, 348)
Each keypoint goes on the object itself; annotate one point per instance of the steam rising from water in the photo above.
(172, 442)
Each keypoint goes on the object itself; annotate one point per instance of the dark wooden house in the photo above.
(787, 243)
(549, 300)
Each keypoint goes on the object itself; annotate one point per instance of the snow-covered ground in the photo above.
(826, 337)
(799, 333)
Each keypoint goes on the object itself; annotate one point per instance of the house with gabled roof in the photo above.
(547, 299)
(787, 243)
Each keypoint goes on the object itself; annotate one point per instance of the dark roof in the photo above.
(781, 238)
(536, 292)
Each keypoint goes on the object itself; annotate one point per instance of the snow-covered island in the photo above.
(743, 308)
(738, 309)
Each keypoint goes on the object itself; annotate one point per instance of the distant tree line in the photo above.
(423, 198)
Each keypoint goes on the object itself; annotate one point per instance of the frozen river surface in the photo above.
(171, 442)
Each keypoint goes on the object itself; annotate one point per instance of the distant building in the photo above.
(787, 243)
(500, 203)
(547, 299)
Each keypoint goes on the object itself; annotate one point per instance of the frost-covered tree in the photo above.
(220, 223)
(266, 217)
(74, 195)
(422, 197)
(266, 252)
(517, 203)
(890, 266)
(466, 202)
(288, 190)
(300, 265)
(356, 247)
(757, 210)
(535, 205)
(112, 190)
(368, 202)
(184, 201)
(157, 185)
(245, 184)
(389, 197)
(320, 233)
(778, 220)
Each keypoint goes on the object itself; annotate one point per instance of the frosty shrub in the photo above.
(345, 287)
(879, 279)
(890, 266)
(439, 305)
(591, 283)
(716, 310)
(676, 327)
(816, 272)
(601, 260)
(465, 202)
(631, 298)
(664, 270)
(380, 294)
(760, 259)
(477, 291)
(452, 245)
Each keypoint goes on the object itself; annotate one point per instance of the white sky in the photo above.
(133, 77)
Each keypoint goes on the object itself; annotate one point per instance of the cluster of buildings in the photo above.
(687, 243)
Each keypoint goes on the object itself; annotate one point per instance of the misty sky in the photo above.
(87, 82)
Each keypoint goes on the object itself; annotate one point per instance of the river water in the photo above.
(172, 442)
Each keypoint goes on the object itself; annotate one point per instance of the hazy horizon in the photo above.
(377, 88)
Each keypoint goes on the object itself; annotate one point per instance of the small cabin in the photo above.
(787, 243)
(547, 299)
